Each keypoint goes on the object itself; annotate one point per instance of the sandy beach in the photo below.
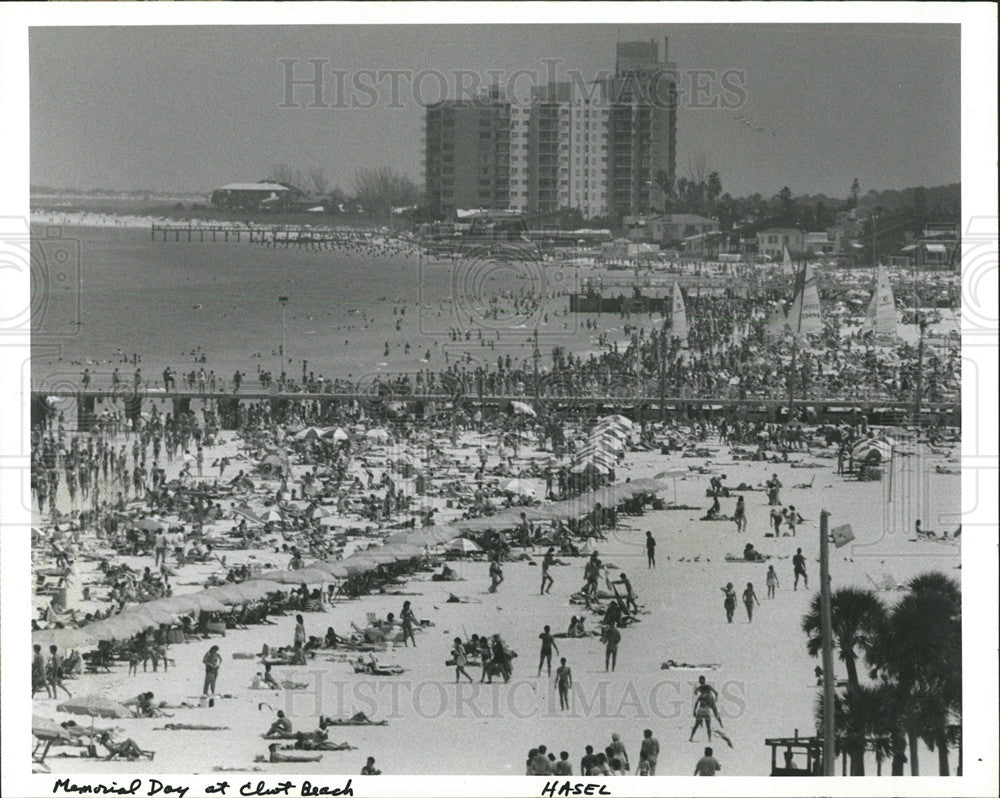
(761, 669)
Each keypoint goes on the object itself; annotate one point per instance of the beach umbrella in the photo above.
(309, 434)
(323, 511)
(519, 487)
(872, 450)
(463, 545)
(123, 626)
(358, 565)
(673, 473)
(153, 612)
(334, 568)
(150, 524)
(254, 589)
(66, 639)
(309, 576)
(405, 551)
(591, 465)
(522, 409)
(225, 593)
(184, 603)
(272, 461)
(377, 434)
(96, 706)
(336, 434)
(272, 514)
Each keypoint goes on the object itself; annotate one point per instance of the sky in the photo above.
(188, 109)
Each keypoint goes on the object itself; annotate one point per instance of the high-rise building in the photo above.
(604, 148)
(467, 153)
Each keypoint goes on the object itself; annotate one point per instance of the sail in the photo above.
(777, 323)
(805, 317)
(786, 263)
(881, 318)
(678, 315)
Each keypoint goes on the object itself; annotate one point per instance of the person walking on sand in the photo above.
(458, 654)
(212, 661)
(617, 750)
(749, 598)
(548, 644)
(799, 566)
(702, 716)
(649, 752)
(772, 581)
(612, 637)
(564, 683)
(547, 562)
(709, 696)
(38, 680)
(55, 673)
(299, 641)
(708, 765)
(496, 574)
(407, 618)
(729, 603)
(650, 550)
(740, 515)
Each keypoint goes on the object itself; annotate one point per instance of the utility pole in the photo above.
(284, 301)
(826, 628)
(663, 372)
(919, 393)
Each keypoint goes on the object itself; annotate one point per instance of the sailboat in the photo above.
(805, 316)
(777, 323)
(881, 317)
(787, 267)
(678, 316)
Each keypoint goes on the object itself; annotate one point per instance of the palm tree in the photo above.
(920, 650)
(858, 617)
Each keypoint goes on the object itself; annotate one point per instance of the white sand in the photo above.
(766, 682)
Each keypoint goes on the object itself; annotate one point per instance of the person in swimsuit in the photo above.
(729, 603)
(740, 515)
(458, 653)
(564, 682)
(772, 581)
(799, 566)
(702, 715)
(547, 561)
(407, 617)
(548, 644)
(749, 599)
(650, 550)
(709, 696)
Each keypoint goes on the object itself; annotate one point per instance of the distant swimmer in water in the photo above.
(196, 307)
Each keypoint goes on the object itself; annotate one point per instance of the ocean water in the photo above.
(96, 291)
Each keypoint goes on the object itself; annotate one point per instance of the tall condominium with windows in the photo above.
(603, 147)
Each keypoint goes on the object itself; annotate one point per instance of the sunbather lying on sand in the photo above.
(274, 755)
(359, 719)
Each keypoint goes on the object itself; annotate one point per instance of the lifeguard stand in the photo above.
(806, 755)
